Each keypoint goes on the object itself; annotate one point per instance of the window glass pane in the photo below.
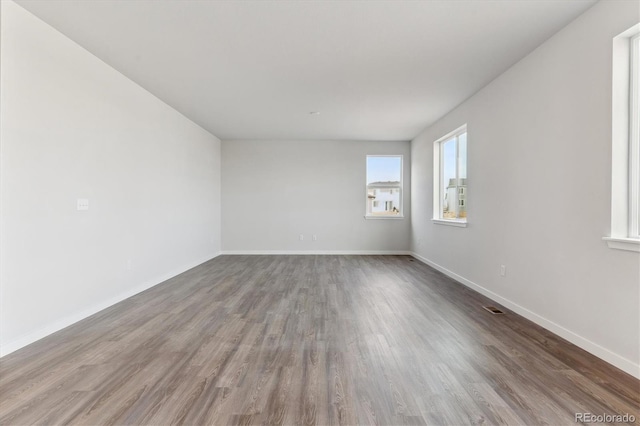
(448, 189)
(384, 183)
(384, 169)
(635, 132)
(462, 156)
(462, 176)
(450, 179)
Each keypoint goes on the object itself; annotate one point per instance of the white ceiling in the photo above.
(375, 70)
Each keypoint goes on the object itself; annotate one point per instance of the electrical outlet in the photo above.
(83, 204)
(503, 271)
(129, 266)
(301, 237)
(315, 237)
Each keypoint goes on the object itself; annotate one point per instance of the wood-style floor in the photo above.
(308, 340)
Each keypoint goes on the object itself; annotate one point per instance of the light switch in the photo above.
(83, 204)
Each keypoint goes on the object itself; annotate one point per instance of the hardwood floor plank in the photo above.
(308, 340)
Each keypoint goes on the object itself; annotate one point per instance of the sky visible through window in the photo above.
(384, 169)
(449, 159)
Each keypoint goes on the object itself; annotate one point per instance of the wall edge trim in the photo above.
(318, 252)
(33, 336)
(595, 349)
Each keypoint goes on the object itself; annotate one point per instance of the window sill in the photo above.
(384, 217)
(450, 222)
(629, 244)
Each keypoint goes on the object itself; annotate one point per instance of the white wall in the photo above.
(272, 191)
(539, 192)
(72, 127)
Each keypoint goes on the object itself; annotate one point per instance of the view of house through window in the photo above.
(384, 185)
(452, 177)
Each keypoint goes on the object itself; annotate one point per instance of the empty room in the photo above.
(319, 212)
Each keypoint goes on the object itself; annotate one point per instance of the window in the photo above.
(450, 178)
(384, 186)
(634, 138)
(625, 179)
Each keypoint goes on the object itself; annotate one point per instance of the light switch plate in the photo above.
(83, 204)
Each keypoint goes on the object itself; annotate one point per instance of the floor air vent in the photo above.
(493, 310)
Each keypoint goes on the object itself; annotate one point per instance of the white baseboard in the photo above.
(603, 353)
(14, 345)
(319, 252)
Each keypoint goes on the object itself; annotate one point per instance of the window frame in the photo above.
(400, 188)
(625, 170)
(634, 136)
(438, 196)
